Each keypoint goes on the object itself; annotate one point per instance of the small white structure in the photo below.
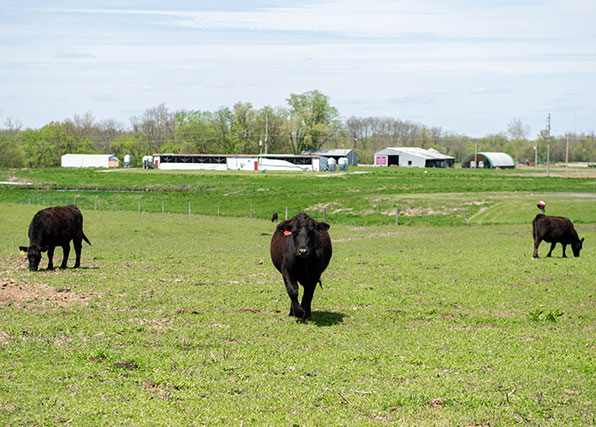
(488, 160)
(336, 153)
(246, 162)
(413, 157)
(89, 161)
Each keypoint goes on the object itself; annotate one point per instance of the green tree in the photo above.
(312, 121)
(11, 153)
(194, 132)
(130, 144)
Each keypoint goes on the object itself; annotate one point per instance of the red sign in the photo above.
(381, 160)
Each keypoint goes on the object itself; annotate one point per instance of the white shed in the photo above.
(488, 160)
(413, 157)
(336, 153)
(89, 161)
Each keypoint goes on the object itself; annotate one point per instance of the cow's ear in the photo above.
(284, 226)
(582, 240)
(23, 249)
(323, 226)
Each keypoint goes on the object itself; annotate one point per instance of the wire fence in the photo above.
(221, 208)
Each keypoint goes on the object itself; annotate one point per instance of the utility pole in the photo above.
(475, 156)
(567, 158)
(548, 145)
(266, 130)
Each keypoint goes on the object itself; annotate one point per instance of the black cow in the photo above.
(301, 250)
(555, 229)
(52, 227)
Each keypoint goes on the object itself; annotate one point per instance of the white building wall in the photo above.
(242, 163)
(193, 166)
(417, 161)
(282, 165)
(85, 161)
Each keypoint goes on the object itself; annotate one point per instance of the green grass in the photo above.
(182, 320)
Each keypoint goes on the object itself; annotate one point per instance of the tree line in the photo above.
(308, 122)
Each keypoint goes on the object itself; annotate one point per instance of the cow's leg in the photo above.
(292, 289)
(309, 291)
(536, 244)
(552, 246)
(78, 244)
(51, 257)
(564, 247)
(65, 253)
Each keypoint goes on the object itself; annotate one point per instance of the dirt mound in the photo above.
(29, 291)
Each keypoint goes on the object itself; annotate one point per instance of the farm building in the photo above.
(488, 161)
(413, 157)
(89, 161)
(336, 154)
(248, 162)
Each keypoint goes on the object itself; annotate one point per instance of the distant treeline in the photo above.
(308, 122)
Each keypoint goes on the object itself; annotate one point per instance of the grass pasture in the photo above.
(181, 319)
(364, 196)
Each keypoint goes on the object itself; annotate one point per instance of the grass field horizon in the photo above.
(364, 196)
(178, 319)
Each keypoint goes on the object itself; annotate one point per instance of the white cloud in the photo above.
(66, 52)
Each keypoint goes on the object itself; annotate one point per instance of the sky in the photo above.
(470, 67)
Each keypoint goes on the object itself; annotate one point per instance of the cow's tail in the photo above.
(86, 239)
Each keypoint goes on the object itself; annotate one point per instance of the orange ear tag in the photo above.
(287, 233)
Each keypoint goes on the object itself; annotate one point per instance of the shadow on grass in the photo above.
(326, 318)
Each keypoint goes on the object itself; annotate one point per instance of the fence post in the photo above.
(325, 214)
(465, 219)
(396, 216)
(75, 201)
(286, 212)
(251, 210)
(116, 205)
(139, 205)
(95, 204)
(29, 201)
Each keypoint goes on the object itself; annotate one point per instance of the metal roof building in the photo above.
(336, 153)
(413, 157)
(247, 162)
(488, 160)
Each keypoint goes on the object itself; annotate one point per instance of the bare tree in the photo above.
(157, 124)
(517, 130)
(13, 126)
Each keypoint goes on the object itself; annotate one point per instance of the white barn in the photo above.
(413, 157)
(89, 161)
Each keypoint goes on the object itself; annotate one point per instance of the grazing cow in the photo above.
(301, 250)
(52, 227)
(555, 229)
(274, 217)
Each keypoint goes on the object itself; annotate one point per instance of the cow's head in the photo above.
(303, 230)
(33, 255)
(577, 246)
